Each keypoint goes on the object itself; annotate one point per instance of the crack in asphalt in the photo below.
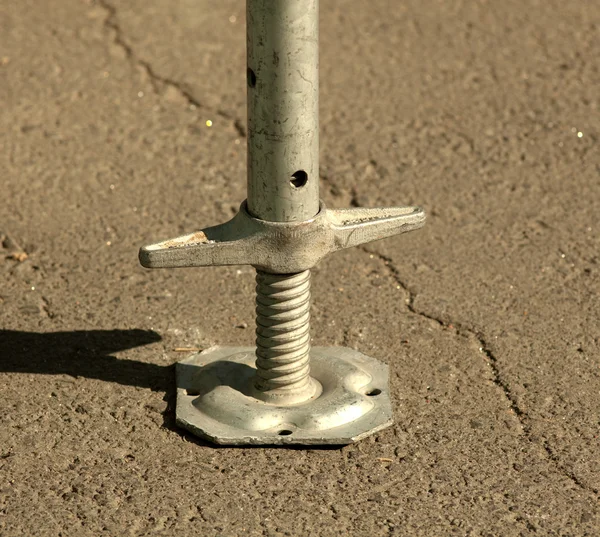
(157, 80)
(571, 475)
(491, 359)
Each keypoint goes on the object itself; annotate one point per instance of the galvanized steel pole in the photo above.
(282, 391)
(283, 109)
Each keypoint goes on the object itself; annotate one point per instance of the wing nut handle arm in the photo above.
(281, 247)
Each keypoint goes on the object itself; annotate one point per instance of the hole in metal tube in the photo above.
(299, 179)
(251, 76)
(285, 432)
(374, 392)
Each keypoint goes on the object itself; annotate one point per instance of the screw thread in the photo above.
(282, 332)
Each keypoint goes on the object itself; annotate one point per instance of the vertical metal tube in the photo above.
(283, 109)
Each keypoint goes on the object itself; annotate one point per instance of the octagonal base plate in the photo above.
(215, 402)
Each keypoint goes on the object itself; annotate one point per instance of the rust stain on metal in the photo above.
(195, 238)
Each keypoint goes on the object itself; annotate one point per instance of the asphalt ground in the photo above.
(484, 112)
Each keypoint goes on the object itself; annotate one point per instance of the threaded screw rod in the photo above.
(283, 337)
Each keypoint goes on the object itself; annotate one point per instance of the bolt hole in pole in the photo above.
(299, 179)
(285, 432)
(251, 76)
(374, 392)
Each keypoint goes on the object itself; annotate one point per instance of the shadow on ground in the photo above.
(87, 353)
(83, 353)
